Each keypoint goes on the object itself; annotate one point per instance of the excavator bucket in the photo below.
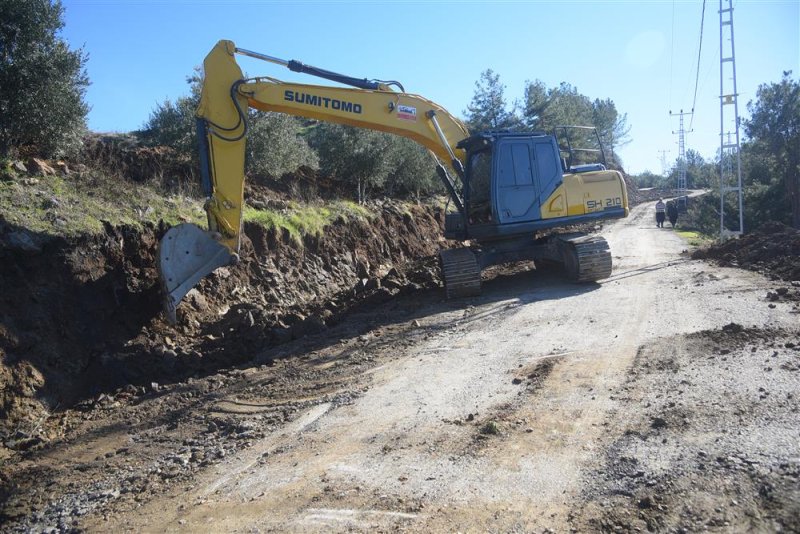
(187, 254)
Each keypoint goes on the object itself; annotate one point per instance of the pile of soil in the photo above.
(773, 250)
(635, 196)
(81, 318)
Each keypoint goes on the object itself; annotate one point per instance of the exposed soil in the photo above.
(773, 250)
(81, 318)
(637, 196)
(704, 453)
(174, 432)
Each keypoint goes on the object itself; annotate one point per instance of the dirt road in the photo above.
(664, 398)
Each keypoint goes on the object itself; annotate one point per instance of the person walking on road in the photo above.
(672, 212)
(660, 215)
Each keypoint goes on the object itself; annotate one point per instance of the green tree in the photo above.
(536, 106)
(612, 127)
(274, 146)
(172, 124)
(42, 81)
(413, 170)
(699, 172)
(374, 162)
(355, 156)
(488, 109)
(649, 179)
(545, 109)
(774, 136)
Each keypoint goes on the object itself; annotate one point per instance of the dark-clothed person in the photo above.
(672, 213)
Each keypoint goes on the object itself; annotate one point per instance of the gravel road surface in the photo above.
(663, 398)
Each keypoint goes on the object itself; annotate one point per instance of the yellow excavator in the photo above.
(509, 190)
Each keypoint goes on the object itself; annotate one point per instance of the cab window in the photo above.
(480, 179)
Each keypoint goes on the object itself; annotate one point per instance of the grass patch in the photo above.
(301, 220)
(78, 204)
(695, 238)
(491, 428)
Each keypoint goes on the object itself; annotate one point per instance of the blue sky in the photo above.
(641, 54)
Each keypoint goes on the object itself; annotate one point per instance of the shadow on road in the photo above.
(646, 270)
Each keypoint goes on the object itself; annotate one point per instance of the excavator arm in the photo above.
(187, 253)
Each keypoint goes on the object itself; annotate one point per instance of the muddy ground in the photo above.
(664, 399)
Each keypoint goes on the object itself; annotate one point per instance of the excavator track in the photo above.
(461, 273)
(586, 258)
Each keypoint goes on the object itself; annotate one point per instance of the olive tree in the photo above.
(773, 132)
(413, 170)
(355, 156)
(42, 81)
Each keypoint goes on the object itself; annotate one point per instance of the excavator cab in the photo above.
(509, 178)
(506, 176)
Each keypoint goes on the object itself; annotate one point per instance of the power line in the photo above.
(699, 50)
(671, 53)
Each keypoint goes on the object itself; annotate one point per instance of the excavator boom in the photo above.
(187, 253)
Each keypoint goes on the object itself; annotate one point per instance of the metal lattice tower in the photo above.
(680, 190)
(730, 165)
(663, 161)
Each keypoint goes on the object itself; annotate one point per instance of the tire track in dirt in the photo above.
(417, 450)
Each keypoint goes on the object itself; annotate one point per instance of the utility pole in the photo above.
(681, 189)
(730, 176)
(663, 160)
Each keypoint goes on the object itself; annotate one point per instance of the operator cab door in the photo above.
(515, 182)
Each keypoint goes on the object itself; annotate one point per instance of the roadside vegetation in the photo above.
(299, 220)
(42, 82)
(543, 108)
(151, 174)
(770, 158)
(695, 238)
(81, 202)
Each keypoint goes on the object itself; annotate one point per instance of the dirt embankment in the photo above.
(81, 318)
(773, 250)
(126, 157)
